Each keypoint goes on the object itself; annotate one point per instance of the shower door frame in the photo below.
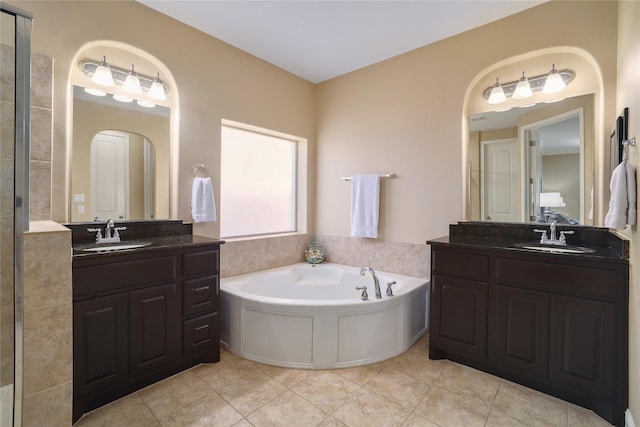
(22, 135)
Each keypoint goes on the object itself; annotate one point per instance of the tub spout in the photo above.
(376, 283)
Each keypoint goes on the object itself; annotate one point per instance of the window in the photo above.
(259, 181)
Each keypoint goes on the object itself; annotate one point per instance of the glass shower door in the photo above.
(15, 53)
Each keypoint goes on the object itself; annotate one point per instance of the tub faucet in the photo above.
(376, 283)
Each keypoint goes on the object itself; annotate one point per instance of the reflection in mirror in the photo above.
(533, 164)
(120, 164)
(122, 171)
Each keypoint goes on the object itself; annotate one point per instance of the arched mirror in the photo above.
(120, 149)
(533, 159)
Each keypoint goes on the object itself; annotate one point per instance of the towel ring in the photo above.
(201, 171)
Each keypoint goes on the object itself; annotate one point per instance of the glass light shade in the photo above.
(132, 83)
(554, 82)
(497, 94)
(146, 104)
(156, 91)
(94, 92)
(122, 98)
(102, 75)
(523, 89)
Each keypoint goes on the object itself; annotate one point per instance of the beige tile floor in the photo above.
(409, 390)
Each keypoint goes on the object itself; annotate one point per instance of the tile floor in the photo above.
(408, 390)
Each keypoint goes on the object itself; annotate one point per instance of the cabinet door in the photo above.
(459, 317)
(582, 344)
(99, 343)
(153, 324)
(522, 330)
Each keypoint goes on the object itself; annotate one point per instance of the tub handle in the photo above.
(389, 291)
(365, 295)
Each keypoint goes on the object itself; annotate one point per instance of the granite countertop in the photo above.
(485, 243)
(156, 244)
(511, 236)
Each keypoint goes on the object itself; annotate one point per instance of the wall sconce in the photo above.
(131, 82)
(553, 82)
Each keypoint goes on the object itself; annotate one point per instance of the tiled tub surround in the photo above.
(248, 256)
(48, 353)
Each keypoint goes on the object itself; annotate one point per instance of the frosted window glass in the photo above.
(258, 184)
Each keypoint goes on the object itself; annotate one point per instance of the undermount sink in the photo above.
(116, 247)
(555, 249)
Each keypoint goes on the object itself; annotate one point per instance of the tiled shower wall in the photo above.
(40, 182)
(247, 256)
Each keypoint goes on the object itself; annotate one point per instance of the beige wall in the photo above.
(405, 115)
(628, 90)
(214, 81)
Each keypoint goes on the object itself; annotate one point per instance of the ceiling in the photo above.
(319, 40)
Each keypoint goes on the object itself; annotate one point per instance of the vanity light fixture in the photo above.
(523, 88)
(132, 83)
(554, 82)
(119, 76)
(556, 79)
(496, 94)
(102, 74)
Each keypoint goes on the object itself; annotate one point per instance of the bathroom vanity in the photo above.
(555, 322)
(141, 315)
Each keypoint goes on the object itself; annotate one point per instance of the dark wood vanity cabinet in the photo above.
(552, 322)
(140, 317)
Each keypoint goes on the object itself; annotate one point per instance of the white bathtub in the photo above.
(312, 317)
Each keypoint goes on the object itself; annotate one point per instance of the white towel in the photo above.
(622, 205)
(203, 205)
(365, 201)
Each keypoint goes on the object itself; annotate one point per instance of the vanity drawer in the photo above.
(583, 280)
(113, 277)
(200, 295)
(460, 264)
(201, 263)
(200, 334)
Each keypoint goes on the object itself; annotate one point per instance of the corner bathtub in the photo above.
(312, 317)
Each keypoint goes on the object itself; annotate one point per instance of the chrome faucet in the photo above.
(376, 283)
(111, 233)
(552, 239)
(109, 229)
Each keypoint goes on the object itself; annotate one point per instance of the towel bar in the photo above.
(389, 175)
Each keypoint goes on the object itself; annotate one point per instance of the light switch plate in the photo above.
(80, 209)
(78, 198)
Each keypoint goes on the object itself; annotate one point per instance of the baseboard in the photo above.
(628, 419)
